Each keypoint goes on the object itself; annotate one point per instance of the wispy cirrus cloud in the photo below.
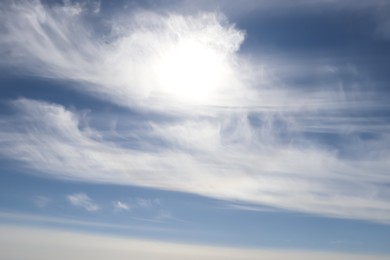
(54, 31)
(81, 200)
(147, 203)
(135, 64)
(151, 61)
(234, 161)
(245, 134)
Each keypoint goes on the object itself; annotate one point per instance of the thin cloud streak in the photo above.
(17, 218)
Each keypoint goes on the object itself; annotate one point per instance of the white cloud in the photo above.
(218, 152)
(136, 63)
(170, 63)
(120, 206)
(49, 244)
(249, 207)
(81, 200)
(239, 162)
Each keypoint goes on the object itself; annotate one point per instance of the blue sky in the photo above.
(259, 126)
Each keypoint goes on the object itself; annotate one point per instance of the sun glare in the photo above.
(191, 72)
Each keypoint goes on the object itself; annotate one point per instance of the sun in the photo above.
(191, 72)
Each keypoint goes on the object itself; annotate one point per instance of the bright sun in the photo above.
(191, 72)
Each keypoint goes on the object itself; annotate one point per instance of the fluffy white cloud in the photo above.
(81, 200)
(120, 206)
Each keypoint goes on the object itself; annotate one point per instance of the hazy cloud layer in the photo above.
(44, 244)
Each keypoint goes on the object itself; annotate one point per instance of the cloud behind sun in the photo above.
(154, 61)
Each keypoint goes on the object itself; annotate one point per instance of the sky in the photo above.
(195, 129)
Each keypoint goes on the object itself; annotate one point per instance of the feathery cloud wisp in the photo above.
(247, 140)
(81, 200)
(120, 206)
(236, 161)
(146, 60)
